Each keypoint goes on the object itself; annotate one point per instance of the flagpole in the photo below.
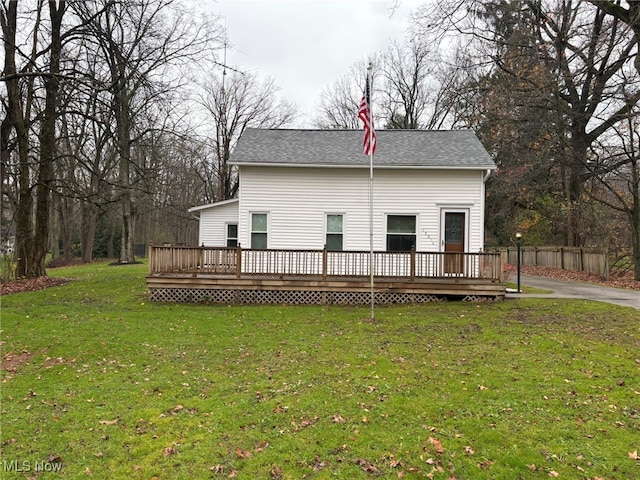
(371, 264)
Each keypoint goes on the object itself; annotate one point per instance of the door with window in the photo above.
(454, 238)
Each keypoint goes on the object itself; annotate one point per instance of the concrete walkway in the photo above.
(566, 289)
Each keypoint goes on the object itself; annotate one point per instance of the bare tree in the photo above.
(339, 103)
(411, 90)
(406, 70)
(142, 46)
(629, 15)
(616, 178)
(587, 54)
(235, 101)
(41, 69)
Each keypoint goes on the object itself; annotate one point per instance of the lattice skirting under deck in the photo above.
(298, 297)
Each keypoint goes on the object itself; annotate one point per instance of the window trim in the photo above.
(226, 234)
(265, 232)
(327, 233)
(415, 232)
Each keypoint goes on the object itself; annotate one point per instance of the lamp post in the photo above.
(519, 244)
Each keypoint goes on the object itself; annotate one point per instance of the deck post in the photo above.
(413, 262)
(324, 261)
(150, 256)
(238, 261)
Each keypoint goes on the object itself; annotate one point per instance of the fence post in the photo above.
(238, 261)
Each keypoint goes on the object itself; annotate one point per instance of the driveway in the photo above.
(565, 289)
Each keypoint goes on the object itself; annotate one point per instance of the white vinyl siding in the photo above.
(298, 198)
(214, 221)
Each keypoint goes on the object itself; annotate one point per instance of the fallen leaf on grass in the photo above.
(259, 447)
(318, 464)
(338, 419)
(468, 450)
(437, 445)
(554, 474)
(367, 466)
(240, 453)
(276, 472)
(305, 422)
(485, 465)
(634, 455)
(168, 451)
(110, 422)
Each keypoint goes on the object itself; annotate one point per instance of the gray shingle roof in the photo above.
(396, 148)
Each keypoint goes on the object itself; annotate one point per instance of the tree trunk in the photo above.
(89, 213)
(121, 100)
(65, 217)
(635, 209)
(48, 143)
(16, 118)
(112, 235)
(576, 160)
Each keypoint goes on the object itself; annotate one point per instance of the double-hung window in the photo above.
(335, 232)
(259, 230)
(401, 233)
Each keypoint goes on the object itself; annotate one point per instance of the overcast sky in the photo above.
(306, 45)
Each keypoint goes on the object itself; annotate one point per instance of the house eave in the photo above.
(384, 167)
(199, 208)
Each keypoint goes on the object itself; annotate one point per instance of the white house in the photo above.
(304, 189)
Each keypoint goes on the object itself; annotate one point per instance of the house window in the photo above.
(334, 233)
(258, 230)
(401, 233)
(232, 235)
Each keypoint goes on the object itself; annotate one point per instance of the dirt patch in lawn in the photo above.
(30, 284)
(11, 361)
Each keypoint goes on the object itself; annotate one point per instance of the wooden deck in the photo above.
(236, 276)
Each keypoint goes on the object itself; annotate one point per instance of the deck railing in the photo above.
(238, 261)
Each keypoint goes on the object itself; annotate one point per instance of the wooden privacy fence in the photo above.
(565, 258)
(321, 263)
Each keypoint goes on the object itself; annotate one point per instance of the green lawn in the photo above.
(109, 385)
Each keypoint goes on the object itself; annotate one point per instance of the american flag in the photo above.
(364, 114)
